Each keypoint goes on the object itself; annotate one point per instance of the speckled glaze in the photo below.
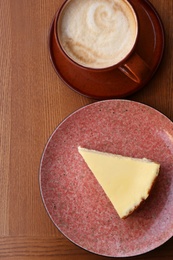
(75, 201)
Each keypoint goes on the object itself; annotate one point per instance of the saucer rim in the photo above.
(136, 87)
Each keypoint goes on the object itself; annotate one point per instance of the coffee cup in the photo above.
(100, 35)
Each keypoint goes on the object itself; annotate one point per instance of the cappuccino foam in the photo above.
(97, 33)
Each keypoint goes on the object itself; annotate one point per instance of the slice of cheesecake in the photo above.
(126, 181)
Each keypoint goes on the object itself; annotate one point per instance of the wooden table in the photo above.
(33, 101)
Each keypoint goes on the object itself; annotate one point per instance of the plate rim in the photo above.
(43, 154)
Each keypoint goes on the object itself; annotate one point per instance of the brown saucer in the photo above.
(114, 84)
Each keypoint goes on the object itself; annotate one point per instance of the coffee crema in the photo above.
(97, 33)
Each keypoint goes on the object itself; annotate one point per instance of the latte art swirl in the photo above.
(99, 17)
(97, 33)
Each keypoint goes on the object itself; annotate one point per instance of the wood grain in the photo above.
(33, 101)
(50, 247)
(35, 247)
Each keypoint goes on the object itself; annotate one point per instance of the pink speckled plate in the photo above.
(77, 204)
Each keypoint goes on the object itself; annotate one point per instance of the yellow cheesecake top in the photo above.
(126, 181)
